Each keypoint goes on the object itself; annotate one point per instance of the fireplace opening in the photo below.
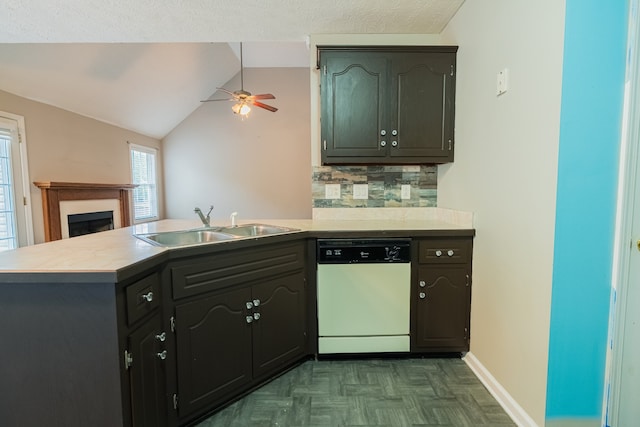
(91, 222)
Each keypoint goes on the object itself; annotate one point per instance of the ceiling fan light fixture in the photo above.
(241, 108)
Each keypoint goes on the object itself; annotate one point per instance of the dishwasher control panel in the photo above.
(348, 251)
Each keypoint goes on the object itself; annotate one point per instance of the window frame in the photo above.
(152, 151)
(25, 235)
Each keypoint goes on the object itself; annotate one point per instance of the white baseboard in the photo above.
(511, 407)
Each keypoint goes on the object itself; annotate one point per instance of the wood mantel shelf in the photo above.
(55, 192)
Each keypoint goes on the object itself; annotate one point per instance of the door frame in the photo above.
(628, 184)
(23, 209)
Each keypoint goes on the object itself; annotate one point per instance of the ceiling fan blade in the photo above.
(209, 100)
(265, 106)
(263, 96)
(227, 91)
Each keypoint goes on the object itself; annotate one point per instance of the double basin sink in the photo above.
(212, 235)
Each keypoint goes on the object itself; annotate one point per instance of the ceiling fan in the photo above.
(243, 99)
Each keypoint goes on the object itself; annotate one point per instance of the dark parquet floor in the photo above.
(366, 393)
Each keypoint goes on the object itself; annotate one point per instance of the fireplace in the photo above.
(88, 223)
(63, 199)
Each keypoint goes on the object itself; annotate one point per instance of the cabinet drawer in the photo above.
(445, 251)
(143, 297)
(211, 273)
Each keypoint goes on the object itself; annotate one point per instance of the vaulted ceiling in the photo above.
(145, 65)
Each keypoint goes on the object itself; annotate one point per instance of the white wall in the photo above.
(505, 172)
(259, 167)
(67, 147)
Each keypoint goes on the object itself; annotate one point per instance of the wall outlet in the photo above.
(360, 191)
(405, 191)
(332, 191)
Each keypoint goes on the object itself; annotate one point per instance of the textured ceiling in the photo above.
(146, 81)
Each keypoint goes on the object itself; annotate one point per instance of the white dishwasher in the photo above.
(363, 295)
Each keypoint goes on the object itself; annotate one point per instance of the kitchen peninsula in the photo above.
(107, 329)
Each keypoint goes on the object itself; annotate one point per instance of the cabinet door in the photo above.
(443, 295)
(353, 95)
(279, 334)
(423, 103)
(213, 341)
(147, 375)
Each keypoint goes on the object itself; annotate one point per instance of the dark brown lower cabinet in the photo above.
(147, 374)
(441, 296)
(213, 341)
(248, 325)
(442, 312)
(227, 340)
(279, 334)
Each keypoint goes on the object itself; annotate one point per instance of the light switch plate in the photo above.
(405, 191)
(332, 191)
(502, 81)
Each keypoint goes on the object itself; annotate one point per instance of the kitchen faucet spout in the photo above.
(205, 219)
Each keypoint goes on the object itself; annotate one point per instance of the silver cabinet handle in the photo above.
(383, 143)
(394, 143)
(422, 283)
(422, 295)
(249, 319)
(161, 337)
(383, 132)
(438, 252)
(394, 132)
(256, 316)
(249, 305)
(162, 355)
(450, 252)
(256, 302)
(148, 297)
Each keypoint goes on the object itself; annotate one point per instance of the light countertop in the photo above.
(110, 251)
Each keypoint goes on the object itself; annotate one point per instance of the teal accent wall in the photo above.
(590, 128)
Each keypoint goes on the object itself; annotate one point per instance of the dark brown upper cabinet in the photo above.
(387, 104)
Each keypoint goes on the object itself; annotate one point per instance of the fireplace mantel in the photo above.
(55, 192)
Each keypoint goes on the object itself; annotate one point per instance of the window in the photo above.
(143, 173)
(16, 227)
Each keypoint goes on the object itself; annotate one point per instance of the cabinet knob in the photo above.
(383, 143)
(438, 252)
(249, 319)
(249, 305)
(256, 302)
(162, 355)
(394, 132)
(450, 252)
(422, 295)
(383, 132)
(422, 283)
(161, 337)
(394, 143)
(256, 316)
(148, 297)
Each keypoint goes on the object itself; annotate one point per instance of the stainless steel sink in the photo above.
(212, 235)
(186, 237)
(254, 230)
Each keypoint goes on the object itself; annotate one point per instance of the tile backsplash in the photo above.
(376, 186)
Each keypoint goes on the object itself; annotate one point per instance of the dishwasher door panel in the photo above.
(363, 300)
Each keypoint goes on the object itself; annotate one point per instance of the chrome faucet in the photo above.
(205, 219)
